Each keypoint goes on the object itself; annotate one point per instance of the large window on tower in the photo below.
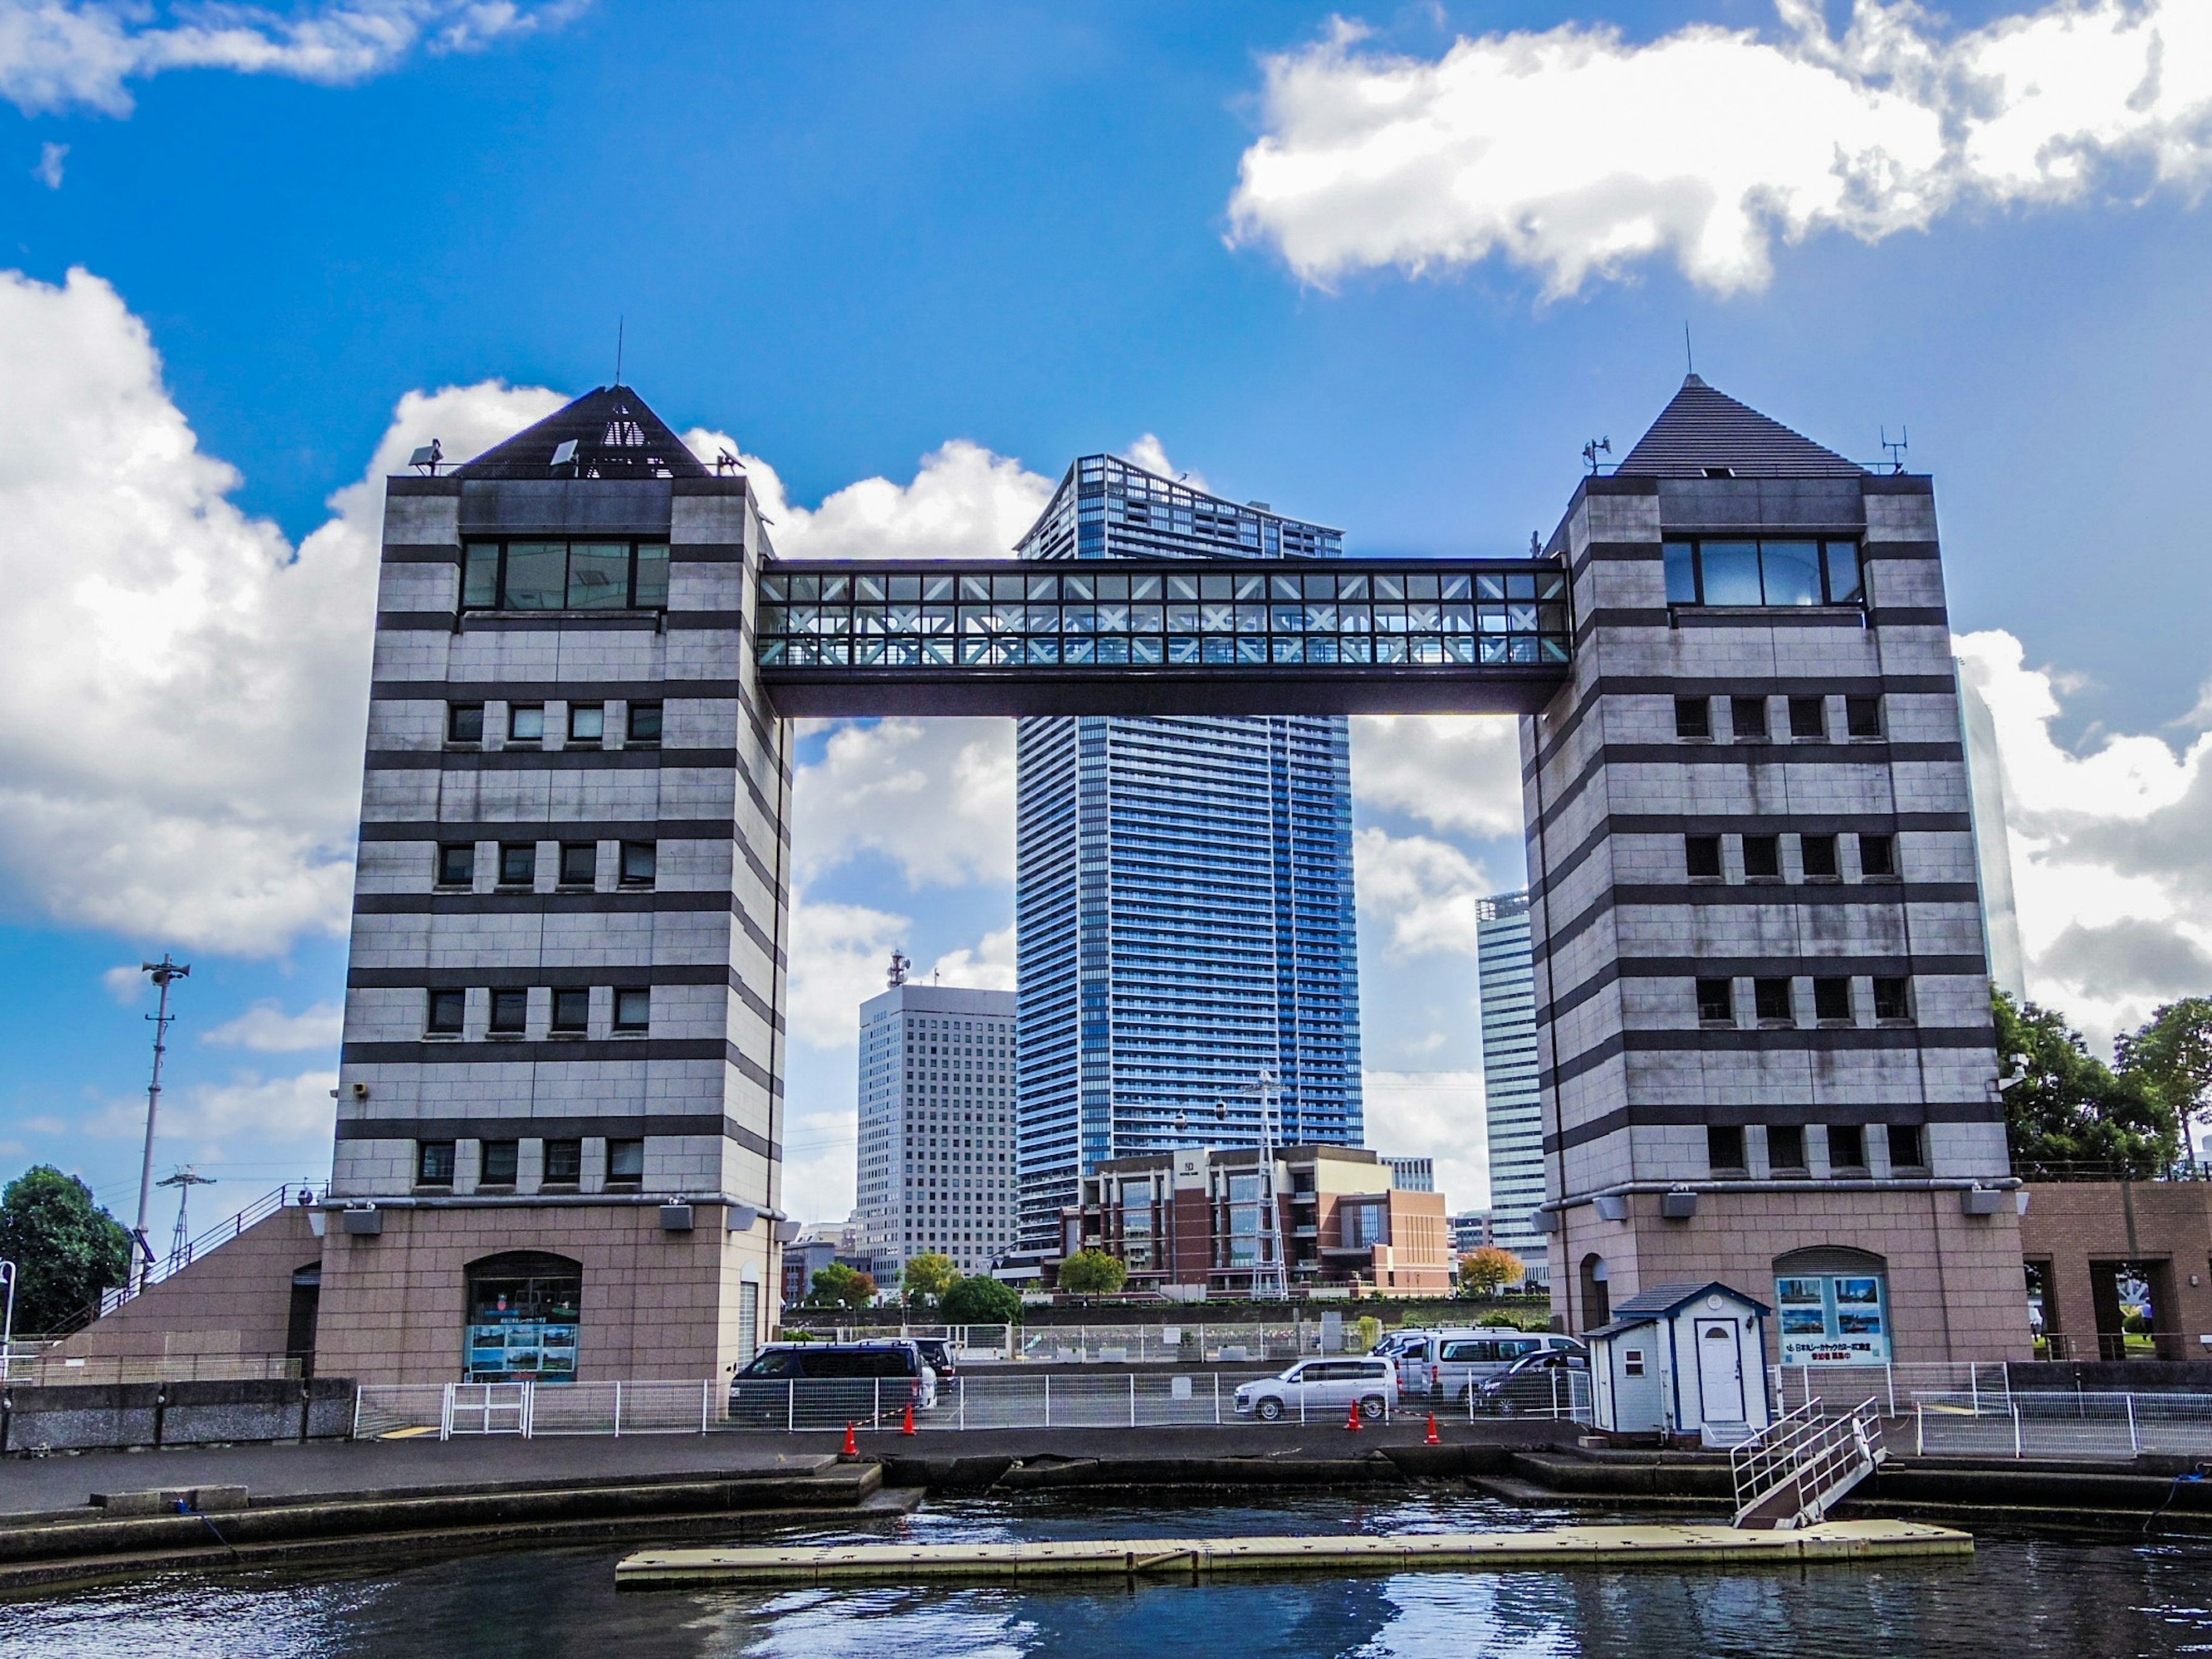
(551, 576)
(1778, 572)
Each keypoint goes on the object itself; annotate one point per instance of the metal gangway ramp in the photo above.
(1793, 1471)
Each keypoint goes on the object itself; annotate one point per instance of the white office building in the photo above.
(1512, 1102)
(937, 1124)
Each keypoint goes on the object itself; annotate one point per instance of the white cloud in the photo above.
(1577, 154)
(49, 169)
(1149, 453)
(247, 1115)
(126, 982)
(987, 966)
(839, 956)
(1435, 1114)
(2112, 849)
(936, 797)
(266, 1028)
(187, 772)
(1426, 891)
(57, 54)
(1459, 774)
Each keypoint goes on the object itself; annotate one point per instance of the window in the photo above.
(1820, 857)
(1770, 1001)
(1702, 855)
(447, 1008)
(510, 1012)
(644, 723)
(1762, 858)
(1808, 717)
(1832, 1000)
(1878, 857)
(1762, 572)
(463, 722)
(1747, 718)
(572, 1009)
(499, 1163)
(457, 864)
(1863, 716)
(633, 1008)
(525, 722)
(1724, 1148)
(518, 863)
(1632, 1362)
(1847, 1147)
(1694, 717)
(434, 1163)
(1716, 1001)
(1891, 1000)
(625, 1162)
(588, 722)
(640, 858)
(1906, 1151)
(555, 575)
(580, 863)
(564, 1161)
(1785, 1146)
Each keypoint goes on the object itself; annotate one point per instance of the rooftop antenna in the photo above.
(165, 973)
(620, 323)
(426, 459)
(1536, 545)
(184, 1180)
(1896, 447)
(726, 462)
(1593, 449)
(1689, 357)
(899, 965)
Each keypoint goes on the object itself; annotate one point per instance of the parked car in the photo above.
(1448, 1365)
(1546, 1383)
(937, 1354)
(1321, 1387)
(824, 1384)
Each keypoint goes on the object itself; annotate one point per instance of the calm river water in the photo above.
(2021, 1595)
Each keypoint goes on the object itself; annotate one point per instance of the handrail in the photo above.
(1805, 1450)
(178, 1259)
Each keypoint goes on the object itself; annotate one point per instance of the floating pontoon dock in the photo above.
(1170, 1557)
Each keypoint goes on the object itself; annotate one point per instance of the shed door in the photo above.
(1720, 1372)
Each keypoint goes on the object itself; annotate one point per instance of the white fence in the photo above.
(2060, 1424)
(1198, 1342)
(1037, 1399)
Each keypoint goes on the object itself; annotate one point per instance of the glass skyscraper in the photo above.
(1184, 901)
(1512, 1103)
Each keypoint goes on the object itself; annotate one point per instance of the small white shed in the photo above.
(1682, 1359)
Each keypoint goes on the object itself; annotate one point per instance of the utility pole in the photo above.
(184, 1180)
(165, 973)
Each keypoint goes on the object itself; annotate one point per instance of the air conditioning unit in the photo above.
(676, 1218)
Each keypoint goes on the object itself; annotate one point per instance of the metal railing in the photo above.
(178, 1259)
(1810, 1455)
(2078, 1423)
(47, 1371)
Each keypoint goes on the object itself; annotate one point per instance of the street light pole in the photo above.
(165, 972)
(8, 1320)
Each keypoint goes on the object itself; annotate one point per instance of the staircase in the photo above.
(1793, 1472)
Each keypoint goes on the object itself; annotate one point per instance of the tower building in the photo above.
(1512, 1103)
(1183, 897)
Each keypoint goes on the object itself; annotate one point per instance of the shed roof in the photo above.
(1702, 431)
(1663, 1301)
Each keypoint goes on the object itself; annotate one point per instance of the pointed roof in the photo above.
(616, 435)
(1703, 429)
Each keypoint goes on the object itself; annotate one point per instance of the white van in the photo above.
(1446, 1365)
(1320, 1388)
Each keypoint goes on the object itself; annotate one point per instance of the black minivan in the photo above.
(818, 1385)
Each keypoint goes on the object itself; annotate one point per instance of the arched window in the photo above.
(1597, 1297)
(1833, 1306)
(525, 1313)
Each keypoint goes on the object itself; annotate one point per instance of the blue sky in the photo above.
(848, 236)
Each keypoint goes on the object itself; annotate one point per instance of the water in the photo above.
(2021, 1595)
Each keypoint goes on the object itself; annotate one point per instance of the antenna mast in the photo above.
(620, 324)
(184, 1180)
(165, 973)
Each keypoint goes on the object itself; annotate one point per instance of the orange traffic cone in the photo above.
(1434, 1439)
(853, 1446)
(1351, 1422)
(908, 1429)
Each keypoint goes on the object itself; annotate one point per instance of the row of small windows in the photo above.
(1763, 573)
(1774, 1001)
(525, 723)
(551, 576)
(1806, 718)
(636, 863)
(1762, 857)
(499, 1162)
(570, 1010)
(1785, 1148)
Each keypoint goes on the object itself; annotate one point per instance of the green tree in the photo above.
(65, 1248)
(1092, 1273)
(2069, 1114)
(981, 1300)
(2172, 1051)
(839, 1287)
(928, 1276)
(1489, 1270)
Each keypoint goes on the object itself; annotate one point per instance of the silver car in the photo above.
(1317, 1388)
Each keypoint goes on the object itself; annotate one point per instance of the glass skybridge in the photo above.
(1225, 636)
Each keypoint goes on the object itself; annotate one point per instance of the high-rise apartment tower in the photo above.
(1512, 1100)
